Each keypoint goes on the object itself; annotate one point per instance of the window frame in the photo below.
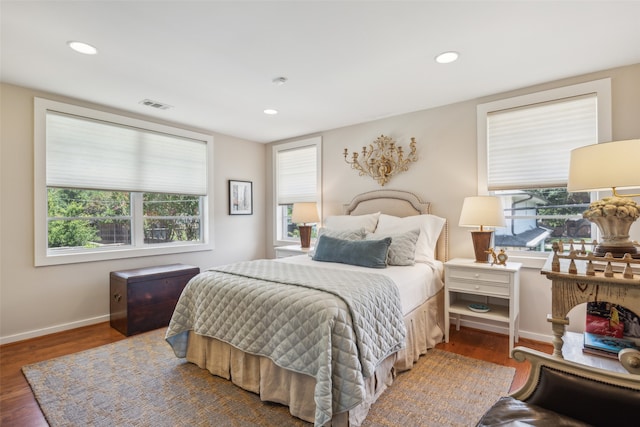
(602, 89)
(42, 255)
(311, 141)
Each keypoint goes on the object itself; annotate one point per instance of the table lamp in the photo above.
(482, 211)
(302, 214)
(609, 166)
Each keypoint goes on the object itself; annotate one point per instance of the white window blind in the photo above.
(528, 147)
(93, 154)
(297, 175)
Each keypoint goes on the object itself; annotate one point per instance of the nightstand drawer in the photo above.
(477, 287)
(495, 277)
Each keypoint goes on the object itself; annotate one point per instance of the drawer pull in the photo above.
(117, 297)
(477, 287)
(476, 275)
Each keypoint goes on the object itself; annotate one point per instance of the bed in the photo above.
(330, 358)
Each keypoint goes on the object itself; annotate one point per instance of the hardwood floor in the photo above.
(18, 406)
(491, 347)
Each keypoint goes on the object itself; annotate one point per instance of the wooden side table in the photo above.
(466, 279)
(144, 299)
(571, 289)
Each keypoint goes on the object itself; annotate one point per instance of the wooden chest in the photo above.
(144, 299)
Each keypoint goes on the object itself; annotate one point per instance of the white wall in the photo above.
(446, 172)
(36, 301)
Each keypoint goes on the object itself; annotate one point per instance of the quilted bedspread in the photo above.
(333, 325)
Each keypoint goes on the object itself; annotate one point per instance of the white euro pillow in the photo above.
(402, 250)
(351, 222)
(430, 227)
(347, 234)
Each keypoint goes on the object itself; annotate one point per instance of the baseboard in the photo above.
(92, 321)
(499, 329)
(53, 329)
(536, 337)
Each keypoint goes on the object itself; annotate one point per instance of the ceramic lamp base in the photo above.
(305, 236)
(614, 217)
(481, 244)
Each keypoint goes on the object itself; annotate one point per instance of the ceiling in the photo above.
(346, 62)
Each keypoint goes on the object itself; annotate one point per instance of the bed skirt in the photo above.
(275, 384)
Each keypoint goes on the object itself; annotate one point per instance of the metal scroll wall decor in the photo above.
(382, 159)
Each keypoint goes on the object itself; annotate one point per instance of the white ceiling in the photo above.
(346, 62)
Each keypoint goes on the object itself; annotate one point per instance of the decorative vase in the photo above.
(614, 217)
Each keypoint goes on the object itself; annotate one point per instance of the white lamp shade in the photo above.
(305, 212)
(480, 211)
(603, 166)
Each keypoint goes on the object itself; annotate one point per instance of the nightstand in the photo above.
(291, 250)
(495, 286)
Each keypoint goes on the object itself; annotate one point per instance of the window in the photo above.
(109, 187)
(297, 178)
(81, 219)
(523, 156)
(171, 218)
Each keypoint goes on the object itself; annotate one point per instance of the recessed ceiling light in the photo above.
(80, 47)
(447, 57)
(271, 111)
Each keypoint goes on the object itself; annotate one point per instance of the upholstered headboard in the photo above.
(397, 203)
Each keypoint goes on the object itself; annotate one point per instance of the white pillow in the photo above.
(430, 228)
(402, 250)
(356, 234)
(350, 222)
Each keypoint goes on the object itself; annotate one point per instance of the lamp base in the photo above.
(305, 236)
(614, 217)
(481, 244)
(616, 251)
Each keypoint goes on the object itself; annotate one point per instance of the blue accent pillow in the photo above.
(365, 253)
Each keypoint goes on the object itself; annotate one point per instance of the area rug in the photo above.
(139, 382)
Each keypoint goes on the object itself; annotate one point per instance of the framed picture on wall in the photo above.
(240, 197)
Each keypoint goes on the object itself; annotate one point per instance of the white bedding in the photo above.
(416, 283)
(421, 299)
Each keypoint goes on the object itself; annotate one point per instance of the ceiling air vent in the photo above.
(155, 104)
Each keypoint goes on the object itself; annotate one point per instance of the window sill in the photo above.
(80, 257)
(295, 241)
(530, 260)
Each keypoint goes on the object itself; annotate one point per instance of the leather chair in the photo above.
(559, 392)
